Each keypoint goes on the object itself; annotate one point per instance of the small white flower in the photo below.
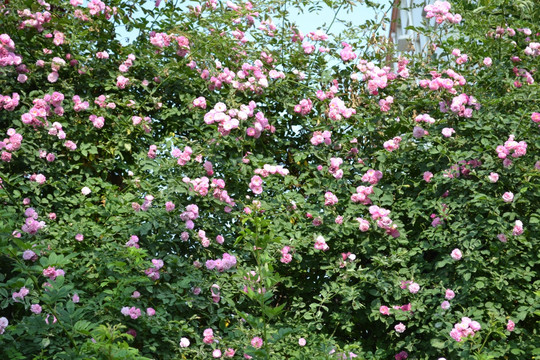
(184, 342)
(86, 190)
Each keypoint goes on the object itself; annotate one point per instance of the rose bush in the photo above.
(225, 186)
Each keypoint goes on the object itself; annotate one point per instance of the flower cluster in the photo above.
(20, 294)
(438, 82)
(271, 170)
(463, 167)
(7, 57)
(392, 144)
(411, 286)
(124, 67)
(153, 272)
(363, 224)
(449, 295)
(255, 76)
(319, 137)
(440, 10)
(304, 107)
(337, 110)
(132, 312)
(376, 77)
(146, 204)
(52, 273)
(320, 243)
(200, 102)
(384, 104)
(163, 40)
(424, 118)
(205, 241)
(330, 199)
(37, 116)
(255, 184)
(511, 147)
(152, 151)
(122, 82)
(459, 104)
(225, 263)
(9, 103)
(31, 225)
(226, 121)
(182, 156)
(383, 220)
(334, 169)
(362, 195)
(208, 335)
(372, 176)
(133, 242)
(11, 144)
(465, 328)
(39, 178)
(260, 124)
(101, 101)
(199, 185)
(285, 256)
(221, 194)
(347, 53)
(533, 49)
(79, 105)
(98, 122)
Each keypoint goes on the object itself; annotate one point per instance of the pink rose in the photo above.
(257, 342)
(508, 197)
(510, 326)
(400, 328)
(447, 132)
(445, 305)
(493, 177)
(518, 228)
(414, 288)
(456, 254)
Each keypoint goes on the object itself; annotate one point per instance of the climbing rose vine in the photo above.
(225, 185)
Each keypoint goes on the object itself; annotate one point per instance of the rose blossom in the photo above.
(510, 326)
(414, 288)
(445, 305)
(257, 342)
(400, 328)
(184, 342)
(508, 197)
(493, 177)
(456, 254)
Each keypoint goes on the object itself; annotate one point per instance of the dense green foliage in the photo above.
(417, 134)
